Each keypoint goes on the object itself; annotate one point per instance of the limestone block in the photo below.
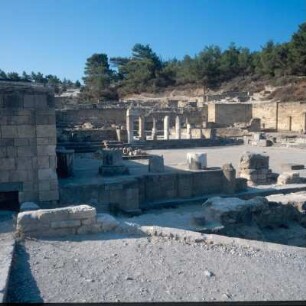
(4, 176)
(45, 130)
(7, 163)
(11, 151)
(26, 151)
(43, 162)
(229, 173)
(42, 141)
(89, 229)
(27, 206)
(24, 163)
(46, 150)
(89, 221)
(19, 142)
(196, 161)
(47, 174)
(52, 195)
(8, 131)
(19, 175)
(29, 221)
(156, 164)
(29, 101)
(40, 101)
(44, 185)
(26, 131)
(254, 161)
(288, 178)
(65, 223)
(107, 222)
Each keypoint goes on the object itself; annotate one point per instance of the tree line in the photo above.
(48, 80)
(144, 70)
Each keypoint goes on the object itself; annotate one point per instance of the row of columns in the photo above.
(130, 117)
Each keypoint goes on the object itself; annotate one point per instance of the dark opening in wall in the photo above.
(9, 201)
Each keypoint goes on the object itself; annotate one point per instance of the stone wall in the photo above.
(28, 142)
(267, 112)
(291, 116)
(228, 113)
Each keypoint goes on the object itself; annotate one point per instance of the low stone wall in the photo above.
(71, 220)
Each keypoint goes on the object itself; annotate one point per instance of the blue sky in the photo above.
(57, 36)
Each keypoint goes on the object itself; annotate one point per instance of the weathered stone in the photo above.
(289, 178)
(88, 221)
(156, 164)
(196, 161)
(107, 222)
(254, 161)
(26, 206)
(65, 223)
(229, 172)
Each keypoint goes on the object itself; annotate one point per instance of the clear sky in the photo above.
(57, 36)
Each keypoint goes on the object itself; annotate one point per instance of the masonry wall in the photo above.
(291, 116)
(267, 112)
(28, 142)
(229, 113)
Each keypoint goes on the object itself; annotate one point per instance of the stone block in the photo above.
(8, 131)
(28, 221)
(24, 163)
(12, 101)
(107, 222)
(196, 161)
(19, 142)
(29, 101)
(28, 196)
(44, 185)
(18, 175)
(53, 162)
(42, 141)
(11, 151)
(28, 151)
(26, 131)
(288, 178)
(65, 223)
(156, 164)
(4, 176)
(89, 229)
(290, 166)
(43, 162)
(30, 186)
(7, 163)
(45, 196)
(40, 101)
(46, 150)
(254, 161)
(46, 174)
(46, 130)
(89, 221)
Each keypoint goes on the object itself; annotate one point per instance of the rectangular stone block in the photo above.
(40, 101)
(42, 141)
(43, 162)
(12, 101)
(6, 142)
(26, 151)
(46, 150)
(48, 195)
(47, 174)
(28, 196)
(44, 185)
(21, 142)
(46, 131)
(88, 221)
(26, 131)
(20, 120)
(53, 184)
(11, 151)
(65, 223)
(18, 175)
(30, 186)
(29, 101)
(7, 163)
(4, 176)
(53, 162)
(3, 152)
(9, 131)
(24, 163)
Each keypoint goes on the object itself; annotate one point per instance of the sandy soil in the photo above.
(117, 267)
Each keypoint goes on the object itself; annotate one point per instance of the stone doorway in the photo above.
(9, 201)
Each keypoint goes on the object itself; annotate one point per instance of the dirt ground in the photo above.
(127, 268)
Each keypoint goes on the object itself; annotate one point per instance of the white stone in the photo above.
(197, 161)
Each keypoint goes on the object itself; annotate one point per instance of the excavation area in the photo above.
(246, 245)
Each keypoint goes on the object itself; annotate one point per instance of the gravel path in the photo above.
(117, 267)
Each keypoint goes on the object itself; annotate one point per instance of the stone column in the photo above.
(141, 128)
(166, 128)
(154, 136)
(130, 125)
(188, 134)
(229, 173)
(178, 127)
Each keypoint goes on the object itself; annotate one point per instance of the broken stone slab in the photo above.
(197, 161)
(291, 166)
(288, 178)
(26, 206)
